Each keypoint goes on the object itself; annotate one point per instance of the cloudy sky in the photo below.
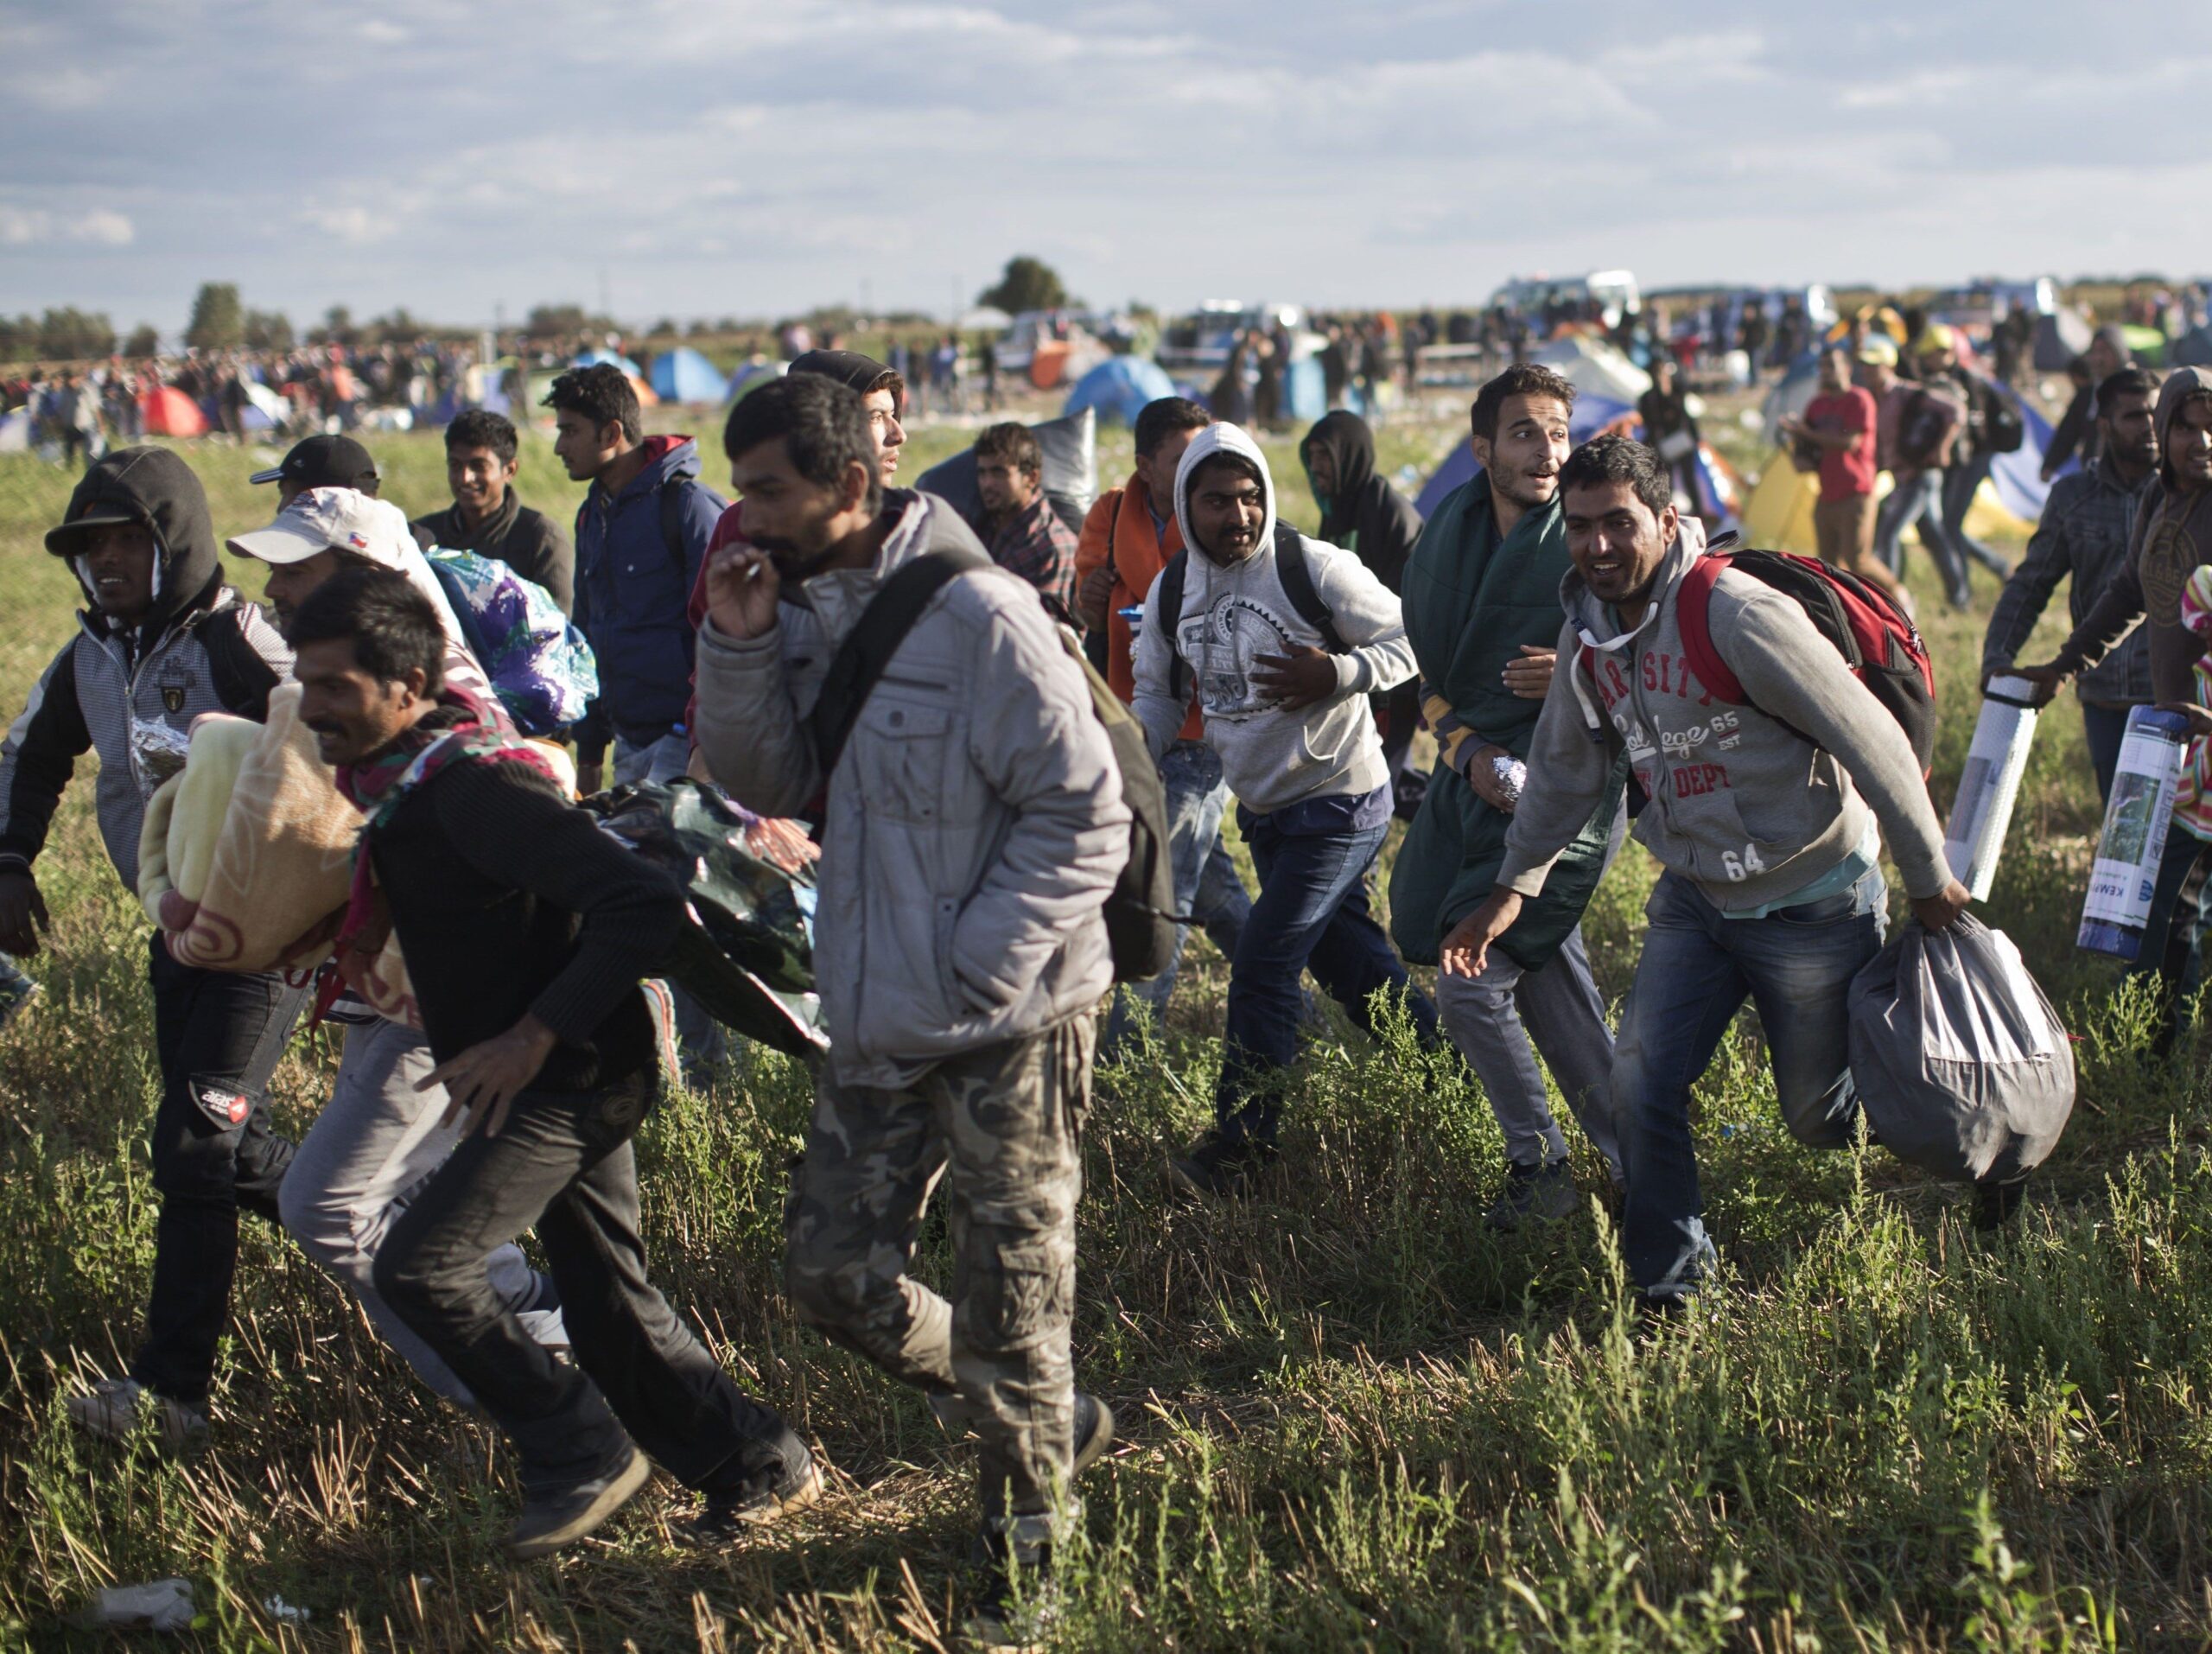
(730, 157)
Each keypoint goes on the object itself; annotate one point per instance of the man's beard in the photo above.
(793, 563)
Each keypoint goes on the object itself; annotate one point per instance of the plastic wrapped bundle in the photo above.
(1990, 783)
(2126, 872)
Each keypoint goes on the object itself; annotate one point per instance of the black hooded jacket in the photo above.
(1365, 514)
(199, 649)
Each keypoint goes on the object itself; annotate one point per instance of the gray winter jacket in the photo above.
(200, 649)
(1741, 801)
(972, 828)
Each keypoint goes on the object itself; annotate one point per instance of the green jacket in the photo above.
(1471, 602)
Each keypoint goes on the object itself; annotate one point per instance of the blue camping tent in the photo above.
(751, 376)
(1119, 387)
(593, 358)
(684, 375)
(1591, 415)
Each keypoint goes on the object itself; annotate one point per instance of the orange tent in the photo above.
(1049, 366)
(647, 397)
(169, 412)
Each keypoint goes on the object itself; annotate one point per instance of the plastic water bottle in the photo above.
(1990, 783)
(2126, 872)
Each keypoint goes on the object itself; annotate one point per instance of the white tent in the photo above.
(1594, 367)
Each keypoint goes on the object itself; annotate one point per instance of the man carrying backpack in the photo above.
(973, 824)
(1767, 813)
(1280, 639)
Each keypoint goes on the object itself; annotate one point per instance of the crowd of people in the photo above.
(909, 681)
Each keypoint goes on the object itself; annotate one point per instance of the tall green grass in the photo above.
(1355, 1418)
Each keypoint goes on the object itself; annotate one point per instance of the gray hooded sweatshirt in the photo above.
(1742, 803)
(1234, 614)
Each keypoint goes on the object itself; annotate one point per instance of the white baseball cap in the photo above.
(332, 519)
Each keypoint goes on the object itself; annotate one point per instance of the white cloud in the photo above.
(96, 226)
(355, 225)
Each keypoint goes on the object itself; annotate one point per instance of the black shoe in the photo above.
(727, 1517)
(1995, 1203)
(1221, 1165)
(562, 1515)
(1533, 1194)
(1017, 1605)
(1094, 1433)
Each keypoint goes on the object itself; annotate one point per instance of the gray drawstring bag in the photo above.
(1959, 1061)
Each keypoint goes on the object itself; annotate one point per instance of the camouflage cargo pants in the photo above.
(999, 1126)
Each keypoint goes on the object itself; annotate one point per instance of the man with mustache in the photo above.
(972, 827)
(526, 931)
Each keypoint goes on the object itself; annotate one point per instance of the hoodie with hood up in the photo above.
(1234, 614)
(2172, 536)
(1742, 802)
(200, 648)
(1363, 514)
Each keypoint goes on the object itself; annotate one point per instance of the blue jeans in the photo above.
(656, 763)
(1960, 484)
(2104, 727)
(1918, 500)
(1697, 967)
(2173, 934)
(1311, 912)
(1207, 887)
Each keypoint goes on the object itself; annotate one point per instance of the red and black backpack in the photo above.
(1876, 639)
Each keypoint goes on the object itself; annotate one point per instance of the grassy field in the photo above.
(1354, 1418)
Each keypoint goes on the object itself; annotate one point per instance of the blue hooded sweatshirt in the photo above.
(634, 580)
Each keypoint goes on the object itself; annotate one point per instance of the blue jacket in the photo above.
(633, 588)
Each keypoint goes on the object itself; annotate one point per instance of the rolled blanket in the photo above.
(245, 859)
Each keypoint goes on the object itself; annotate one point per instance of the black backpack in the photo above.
(1291, 568)
(2003, 430)
(1141, 916)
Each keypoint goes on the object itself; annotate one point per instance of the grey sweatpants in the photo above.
(376, 1139)
(1494, 1019)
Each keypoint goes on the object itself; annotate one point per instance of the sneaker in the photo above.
(1533, 1194)
(112, 1409)
(726, 1516)
(1094, 1433)
(16, 990)
(1220, 1165)
(1007, 1621)
(662, 1004)
(562, 1516)
(1995, 1203)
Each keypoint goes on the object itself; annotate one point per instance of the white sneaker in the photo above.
(110, 1410)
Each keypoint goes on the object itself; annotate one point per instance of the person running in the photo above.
(527, 930)
(1482, 612)
(1128, 539)
(1286, 710)
(1767, 818)
(2082, 538)
(1361, 512)
(973, 825)
(380, 1134)
(1842, 423)
(161, 640)
(1018, 525)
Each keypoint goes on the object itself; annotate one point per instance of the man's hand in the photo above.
(1299, 679)
(742, 587)
(1937, 910)
(1482, 776)
(1530, 677)
(2199, 718)
(22, 914)
(2047, 679)
(1467, 950)
(481, 1081)
(1091, 598)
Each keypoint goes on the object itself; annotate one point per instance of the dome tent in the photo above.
(1069, 447)
(1119, 388)
(684, 375)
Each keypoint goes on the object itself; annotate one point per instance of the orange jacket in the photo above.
(1119, 529)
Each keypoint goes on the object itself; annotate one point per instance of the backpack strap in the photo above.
(875, 637)
(669, 501)
(1297, 577)
(1168, 614)
(1693, 603)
